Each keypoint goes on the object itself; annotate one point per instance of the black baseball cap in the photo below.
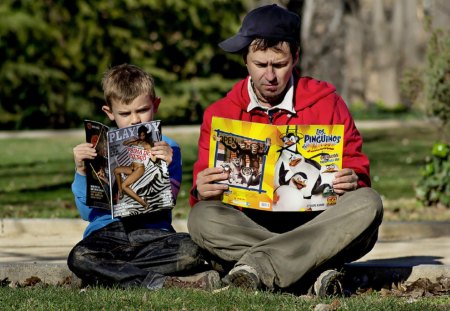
(270, 22)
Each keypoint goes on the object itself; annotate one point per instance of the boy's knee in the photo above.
(189, 248)
(73, 259)
(77, 259)
(190, 254)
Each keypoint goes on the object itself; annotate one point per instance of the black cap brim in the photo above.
(235, 43)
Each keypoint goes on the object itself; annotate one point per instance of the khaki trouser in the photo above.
(340, 234)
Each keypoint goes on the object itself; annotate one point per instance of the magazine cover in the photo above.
(97, 171)
(125, 177)
(277, 168)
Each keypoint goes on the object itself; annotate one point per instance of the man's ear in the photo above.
(106, 109)
(156, 103)
(297, 56)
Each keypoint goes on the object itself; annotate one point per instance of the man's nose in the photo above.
(270, 73)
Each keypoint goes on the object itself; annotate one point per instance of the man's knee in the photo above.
(196, 222)
(207, 220)
(373, 202)
(200, 215)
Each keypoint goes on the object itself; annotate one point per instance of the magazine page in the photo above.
(277, 168)
(97, 175)
(140, 182)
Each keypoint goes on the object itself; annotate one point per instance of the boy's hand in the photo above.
(163, 151)
(345, 180)
(206, 188)
(83, 152)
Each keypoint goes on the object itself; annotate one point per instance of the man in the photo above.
(282, 250)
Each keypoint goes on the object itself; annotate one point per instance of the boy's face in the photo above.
(141, 109)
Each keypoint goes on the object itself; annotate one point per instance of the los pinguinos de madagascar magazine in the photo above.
(125, 177)
(277, 167)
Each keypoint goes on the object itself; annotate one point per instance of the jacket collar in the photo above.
(286, 104)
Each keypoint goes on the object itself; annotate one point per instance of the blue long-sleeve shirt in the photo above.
(99, 218)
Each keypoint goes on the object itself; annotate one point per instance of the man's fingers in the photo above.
(211, 175)
(207, 186)
(209, 191)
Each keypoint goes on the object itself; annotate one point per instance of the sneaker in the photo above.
(208, 280)
(243, 276)
(329, 283)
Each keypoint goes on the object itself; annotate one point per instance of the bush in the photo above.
(437, 76)
(434, 187)
(53, 54)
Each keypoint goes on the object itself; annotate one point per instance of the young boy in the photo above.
(139, 250)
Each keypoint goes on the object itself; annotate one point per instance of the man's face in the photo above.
(270, 71)
(141, 109)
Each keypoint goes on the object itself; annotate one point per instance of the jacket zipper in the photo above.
(271, 113)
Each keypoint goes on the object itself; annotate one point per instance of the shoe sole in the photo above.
(328, 284)
(242, 279)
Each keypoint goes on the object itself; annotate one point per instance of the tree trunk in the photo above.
(354, 82)
(384, 77)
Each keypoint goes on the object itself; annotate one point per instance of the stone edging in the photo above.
(389, 231)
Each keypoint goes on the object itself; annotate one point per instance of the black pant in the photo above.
(122, 255)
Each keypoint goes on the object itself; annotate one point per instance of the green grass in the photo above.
(36, 174)
(59, 298)
(396, 155)
(35, 178)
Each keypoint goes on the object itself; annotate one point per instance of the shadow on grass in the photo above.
(43, 188)
(382, 273)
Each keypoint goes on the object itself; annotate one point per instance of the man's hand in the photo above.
(345, 180)
(206, 188)
(83, 152)
(163, 151)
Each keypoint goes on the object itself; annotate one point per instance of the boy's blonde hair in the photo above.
(123, 83)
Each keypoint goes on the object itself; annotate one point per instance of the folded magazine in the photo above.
(277, 167)
(125, 177)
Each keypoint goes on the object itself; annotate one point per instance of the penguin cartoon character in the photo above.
(290, 197)
(287, 152)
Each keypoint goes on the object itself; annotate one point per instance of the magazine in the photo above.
(125, 177)
(277, 167)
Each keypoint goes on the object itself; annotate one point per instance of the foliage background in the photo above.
(53, 54)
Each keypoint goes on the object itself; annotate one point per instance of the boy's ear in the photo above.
(106, 109)
(156, 103)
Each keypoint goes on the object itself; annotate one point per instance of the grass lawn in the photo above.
(59, 298)
(35, 178)
(36, 173)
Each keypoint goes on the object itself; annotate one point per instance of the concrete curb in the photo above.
(168, 130)
(193, 129)
(405, 252)
(47, 273)
(399, 231)
(40, 227)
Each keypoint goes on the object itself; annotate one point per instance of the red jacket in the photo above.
(316, 102)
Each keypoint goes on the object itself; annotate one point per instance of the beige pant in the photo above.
(340, 234)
